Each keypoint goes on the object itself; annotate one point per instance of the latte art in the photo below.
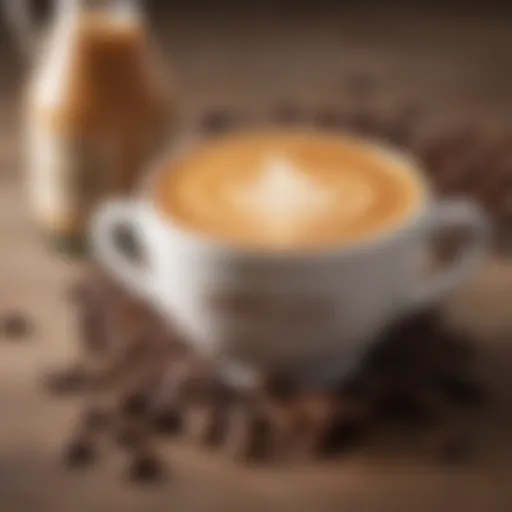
(282, 193)
(286, 191)
(281, 199)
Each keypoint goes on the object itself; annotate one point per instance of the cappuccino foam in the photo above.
(291, 190)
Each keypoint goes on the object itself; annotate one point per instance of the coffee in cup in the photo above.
(287, 190)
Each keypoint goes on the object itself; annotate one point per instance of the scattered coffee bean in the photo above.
(146, 468)
(330, 118)
(451, 175)
(352, 386)
(204, 424)
(168, 422)
(277, 417)
(214, 433)
(402, 407)
(504, 238)
(310, 440)
(240, 441)
(433, 153)
(409, 408)
(15, 326)
(261, 435)
(454, 448)
(463, 391)
(67, 381)
(79, 453)
(95, 419)
(130, 436)
(365, 123)
(217, 122)
(343, 435)
(78, 293)
(503, 207)
(401, 129)
(411, 112)
(92, 330)
(134, 405)
(361, 85)
(279, 387)
(399, 133)
(288, 114)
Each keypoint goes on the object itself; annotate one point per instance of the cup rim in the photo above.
(197, 240)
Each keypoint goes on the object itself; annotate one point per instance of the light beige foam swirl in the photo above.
(282, 199)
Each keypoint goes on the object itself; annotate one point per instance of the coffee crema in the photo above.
(288, 190)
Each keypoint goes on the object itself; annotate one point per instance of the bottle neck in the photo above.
(114, 8)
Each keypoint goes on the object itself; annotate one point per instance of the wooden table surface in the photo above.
(454, 63)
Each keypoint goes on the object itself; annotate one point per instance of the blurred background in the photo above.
(248, 57)
(226, 51)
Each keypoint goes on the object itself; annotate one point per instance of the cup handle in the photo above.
(448, 215)
(112, 215)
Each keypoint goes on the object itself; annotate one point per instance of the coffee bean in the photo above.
(278, 387)
(364, 122)
(313, 430)
(202, 389)
(343, 435)
(404, 407)
(462, 391)
(317, 407)
(503, 207)
(459, 351)
(92, 330)
(261, 436)
(288, 114)
(241, 441)
(305, 421)
(130, 436)
(352, 386)
(401, 128)
(134, 405)
(146, 468)
(405, 372)
(168, 422)
(504, 237)
(330, 118)
(433, 152)
(361, 85)
(410, 112)
(67, 381)
(398, 133)
(15, 326)
(451, 173)
(79, 453)
(218, 121)
(214, 433)
(95, 419)
(204, 424)
(453, 448)
(78, 294)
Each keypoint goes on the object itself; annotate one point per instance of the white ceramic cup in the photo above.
(309, 312)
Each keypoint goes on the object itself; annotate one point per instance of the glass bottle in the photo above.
(96, 108)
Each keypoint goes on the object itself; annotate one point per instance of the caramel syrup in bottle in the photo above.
(97, 109)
